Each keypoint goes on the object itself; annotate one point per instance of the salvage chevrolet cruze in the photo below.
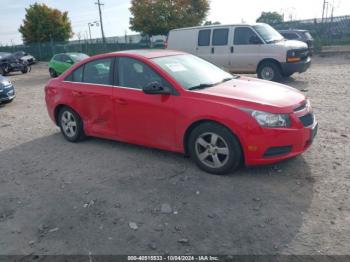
(175, 101)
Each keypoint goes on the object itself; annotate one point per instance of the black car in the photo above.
(24, 56)
(7, 90)
(298, 34)
(9, 63)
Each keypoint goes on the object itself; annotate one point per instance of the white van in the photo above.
(244, 48)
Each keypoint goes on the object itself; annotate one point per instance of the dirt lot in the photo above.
(63, 198)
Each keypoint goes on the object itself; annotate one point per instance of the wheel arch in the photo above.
(58, 109)
(272, 60)
(203, 121)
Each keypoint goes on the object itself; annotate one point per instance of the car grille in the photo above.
(307, 119)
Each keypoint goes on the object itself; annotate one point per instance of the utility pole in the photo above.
(324, 8)
(99, 9)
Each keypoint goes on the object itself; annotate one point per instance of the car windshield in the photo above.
(78, 57)
(192, 72)
(308, 36)
(268, 33)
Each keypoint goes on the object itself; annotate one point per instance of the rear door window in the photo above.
(220, 37)
(204, 37)
(98, 72)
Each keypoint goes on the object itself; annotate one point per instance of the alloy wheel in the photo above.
(69, 124)
(212, 150)
(267, 73)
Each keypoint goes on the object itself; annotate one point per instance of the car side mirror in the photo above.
(69, 61)
(155, 88)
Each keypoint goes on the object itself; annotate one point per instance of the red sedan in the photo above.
(178, 102)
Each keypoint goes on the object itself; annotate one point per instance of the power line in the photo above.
(100, 12)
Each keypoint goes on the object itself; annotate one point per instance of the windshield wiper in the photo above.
(200, 86)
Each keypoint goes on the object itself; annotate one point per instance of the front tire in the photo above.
(5, 69)
(214, 149)
(53, 73)
(25, 70)
(269, 71)
(71, 125)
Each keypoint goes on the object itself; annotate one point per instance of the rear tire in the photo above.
(269, 71)
(214, 148)
(53, 73)
(71, 125)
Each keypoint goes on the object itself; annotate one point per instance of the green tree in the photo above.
(212, 23)
(42, 24)
(272, 18)
(157, 17)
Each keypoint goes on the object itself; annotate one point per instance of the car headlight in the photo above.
(292, 56)
(266, 119)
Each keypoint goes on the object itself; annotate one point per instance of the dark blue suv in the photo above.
(7, 90)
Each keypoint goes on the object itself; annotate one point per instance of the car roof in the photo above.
(213, 26)
(293, 30)
(151, 53)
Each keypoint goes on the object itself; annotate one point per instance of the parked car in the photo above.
(300, 35)
(24, 56)
(61, 62)
(7, 90)
(243, 48)
(9, 63)
(176, 101)
(159, 43)
(144, 43)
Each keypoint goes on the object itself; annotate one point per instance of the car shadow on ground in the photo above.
(64, 198)
(296, 83)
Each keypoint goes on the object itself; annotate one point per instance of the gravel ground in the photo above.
(106, 197)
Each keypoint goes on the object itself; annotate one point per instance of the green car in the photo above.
(61, 62)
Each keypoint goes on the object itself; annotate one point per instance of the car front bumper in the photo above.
(296, 67)
(273, 145)
(7, 94)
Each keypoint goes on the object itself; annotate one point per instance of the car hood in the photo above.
(4, 81)
(292, 44)
(26, 57)
(258, 92)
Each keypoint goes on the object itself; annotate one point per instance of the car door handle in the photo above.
(232, 49)
(121, 101)
(77, 94)
(212, 50)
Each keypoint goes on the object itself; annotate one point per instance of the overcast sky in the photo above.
(116, 13)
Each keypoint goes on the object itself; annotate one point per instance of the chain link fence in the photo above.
(329, 31)
(45, 51)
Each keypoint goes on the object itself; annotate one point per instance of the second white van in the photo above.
(243, 48)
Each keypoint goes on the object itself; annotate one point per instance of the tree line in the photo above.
(148, 17)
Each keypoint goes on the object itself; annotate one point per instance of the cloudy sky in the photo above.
(116, 13)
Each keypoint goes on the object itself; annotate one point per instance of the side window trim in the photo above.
(70, 77)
